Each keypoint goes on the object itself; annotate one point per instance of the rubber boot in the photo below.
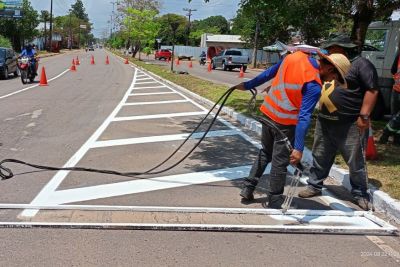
(384, 137)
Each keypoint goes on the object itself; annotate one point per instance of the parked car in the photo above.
(91, 48)
(163, 54)
(230, 59)
(8, 62)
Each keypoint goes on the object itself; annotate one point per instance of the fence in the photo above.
(263, 57)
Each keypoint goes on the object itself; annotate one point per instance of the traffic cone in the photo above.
(73, 67)
(241, 73)
(190, 64)
(77, 61)
(92, 60)
(107, 61)
(370, 152)
(168, 60)
(43, 78)
(126, 61)
(177, 62)
(209, 69)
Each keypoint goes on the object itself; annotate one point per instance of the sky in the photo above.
(99, 11)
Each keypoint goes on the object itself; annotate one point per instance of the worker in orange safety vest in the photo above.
(289, 104)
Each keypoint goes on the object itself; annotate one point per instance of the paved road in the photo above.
(114, 116)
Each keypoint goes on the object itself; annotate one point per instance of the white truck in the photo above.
(230, 59)
(381, 45)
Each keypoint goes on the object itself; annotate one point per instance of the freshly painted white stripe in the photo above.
(147, 82)
(143, 79)
(158, 116)
(160, 93)
(52, 185)
(161, 138)
(148, 87)
(155, 103)
(33, 86)
(146, 185)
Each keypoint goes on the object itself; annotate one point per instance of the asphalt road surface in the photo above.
(118, 117)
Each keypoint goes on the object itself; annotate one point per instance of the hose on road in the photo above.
(6, 173)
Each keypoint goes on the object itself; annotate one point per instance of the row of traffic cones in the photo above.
(75, 62)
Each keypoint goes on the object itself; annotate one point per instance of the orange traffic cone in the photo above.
(92, 60)
(190, 64)
(43, 78)
(177, 62)
(73, 67)
(168, 60)
(209, 69)
(370, 152)
(241, 73)
(126, 61)
(107, 61)
(77, 61)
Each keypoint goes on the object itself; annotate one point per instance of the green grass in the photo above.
(384, 173)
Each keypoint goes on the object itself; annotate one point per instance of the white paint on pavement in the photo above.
(159, 116)
(148, 87)
(161, 138)
(33, 86)
(155, 102)
(146, 185)
(160, 93)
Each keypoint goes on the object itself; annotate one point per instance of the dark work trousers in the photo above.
(274, 151)
(329, 138)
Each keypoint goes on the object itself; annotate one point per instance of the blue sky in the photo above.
(100, 10)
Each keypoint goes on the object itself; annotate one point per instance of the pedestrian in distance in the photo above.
(289, 104)
(393, 127)
(343, 119)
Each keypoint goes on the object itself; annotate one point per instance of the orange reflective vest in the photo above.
(283, 101)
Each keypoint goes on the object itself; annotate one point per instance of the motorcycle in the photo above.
(25, 67)
(203, 61)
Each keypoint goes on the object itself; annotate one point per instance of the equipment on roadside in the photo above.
(77, 61)
(92, 60)
(73, 67)
(107, 61)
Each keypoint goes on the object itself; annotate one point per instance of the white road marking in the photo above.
(143, 79)
(146, 185)
(155, 102)
(159, 116)
(148, 87)
(161, 138)
(147, 82)
(160, 93)
(53, 184)
(33, 86)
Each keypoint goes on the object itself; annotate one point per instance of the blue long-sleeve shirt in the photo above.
(311, 92)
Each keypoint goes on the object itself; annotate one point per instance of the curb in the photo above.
(382, 201)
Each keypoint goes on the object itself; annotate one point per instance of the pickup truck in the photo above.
(229, 59)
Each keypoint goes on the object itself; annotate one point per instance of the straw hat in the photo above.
(341, 63)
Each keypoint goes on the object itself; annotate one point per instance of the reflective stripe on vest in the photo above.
(283, 101)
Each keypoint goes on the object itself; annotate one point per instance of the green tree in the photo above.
(21, 30)
(142, 26)
(165, 31)
(5, 42)
(78, 9)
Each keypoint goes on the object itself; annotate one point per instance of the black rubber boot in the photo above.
(396, 139)
(384, 137)
(247, 193)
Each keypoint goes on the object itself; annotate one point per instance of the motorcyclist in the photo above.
(31, 53)
(203, 57)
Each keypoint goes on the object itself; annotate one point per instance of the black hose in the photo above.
(6, 173)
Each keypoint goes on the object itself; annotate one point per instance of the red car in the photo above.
(163, 54)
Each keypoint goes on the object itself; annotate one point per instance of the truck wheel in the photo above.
(213, 65)
(224, 67)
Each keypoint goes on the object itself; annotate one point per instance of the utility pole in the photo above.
(51, 25)
(189, 14)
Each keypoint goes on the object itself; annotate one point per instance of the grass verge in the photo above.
(384, 173)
